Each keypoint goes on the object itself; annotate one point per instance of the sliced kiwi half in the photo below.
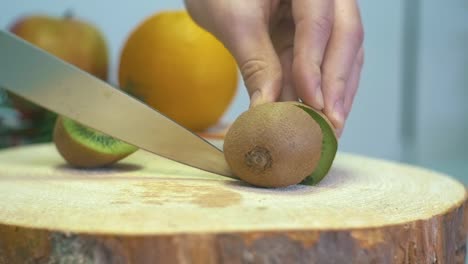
(329, 146)
(84, 147)
(280, 144)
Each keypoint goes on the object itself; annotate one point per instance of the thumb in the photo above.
(258, 62)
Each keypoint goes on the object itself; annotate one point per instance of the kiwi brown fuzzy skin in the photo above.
(79, 155)
(273, 145)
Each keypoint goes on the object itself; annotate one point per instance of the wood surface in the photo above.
(147, 209)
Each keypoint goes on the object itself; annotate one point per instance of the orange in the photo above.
(180, 69)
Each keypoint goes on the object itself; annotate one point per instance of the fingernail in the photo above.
(319, 97)
(256, 98)
(338, 113)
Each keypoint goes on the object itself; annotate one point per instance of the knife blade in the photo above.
(54, 84)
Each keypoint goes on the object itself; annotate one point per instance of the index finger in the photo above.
(314, 22)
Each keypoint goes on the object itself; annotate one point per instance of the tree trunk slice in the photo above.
(147, 209)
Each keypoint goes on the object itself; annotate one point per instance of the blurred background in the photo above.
(411, 105)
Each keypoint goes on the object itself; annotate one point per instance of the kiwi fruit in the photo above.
(84, 147)
(280, 144)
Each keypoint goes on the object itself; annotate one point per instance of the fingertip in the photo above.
(307, 79)
(338, 111)
(336, 116)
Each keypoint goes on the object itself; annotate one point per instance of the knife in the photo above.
(54, 84)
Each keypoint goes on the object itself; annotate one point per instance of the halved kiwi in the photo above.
(280, 144)
(84, 147)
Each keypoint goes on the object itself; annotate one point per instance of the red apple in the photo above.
(77, 42)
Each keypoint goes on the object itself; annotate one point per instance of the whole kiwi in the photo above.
(84, 147)
(280, 144)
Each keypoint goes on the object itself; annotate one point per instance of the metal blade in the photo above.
(63, 88)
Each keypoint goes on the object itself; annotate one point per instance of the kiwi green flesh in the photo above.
(96, 140)
(329, 148)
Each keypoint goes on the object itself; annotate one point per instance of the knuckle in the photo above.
(252, 68)
(359, 34)
(336, 81)
(322, 24)
(340, 80)
(355, 33)
(259, 74)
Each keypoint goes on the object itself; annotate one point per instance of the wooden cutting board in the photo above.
(147, 209)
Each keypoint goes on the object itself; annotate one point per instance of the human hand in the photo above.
(288, 50)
